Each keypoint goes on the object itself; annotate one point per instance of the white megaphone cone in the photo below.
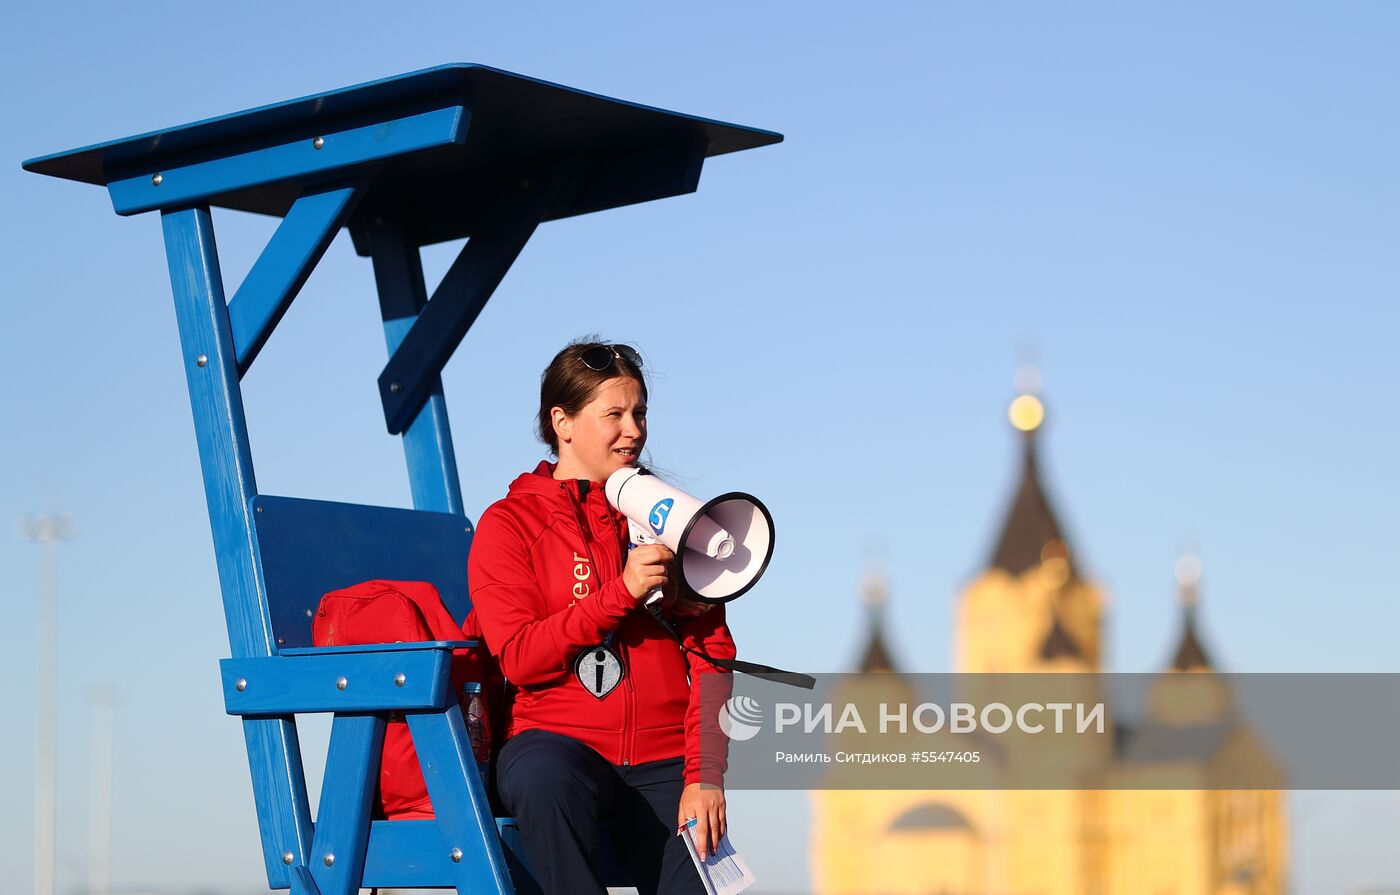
(724, 543)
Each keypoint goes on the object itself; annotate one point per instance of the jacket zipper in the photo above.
(629, 714)
(629, 707)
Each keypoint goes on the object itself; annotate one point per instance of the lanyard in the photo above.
(766, 672)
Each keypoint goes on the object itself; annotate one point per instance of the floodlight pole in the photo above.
(102, 701)
(47, 531)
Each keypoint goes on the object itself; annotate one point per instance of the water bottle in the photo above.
(479, 731)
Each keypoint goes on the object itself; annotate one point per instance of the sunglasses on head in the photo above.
(601, 357)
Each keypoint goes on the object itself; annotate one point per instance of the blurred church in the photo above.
(1138, 827)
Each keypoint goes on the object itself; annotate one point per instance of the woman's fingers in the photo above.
(653, 553)
(701, 834)
(646, 569)
(658, 562)
(707, 806)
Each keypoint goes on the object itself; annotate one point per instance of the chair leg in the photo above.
(342, 824)
(303, 883)
(459, 802)
(226, 458)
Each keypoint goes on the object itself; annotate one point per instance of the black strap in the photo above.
(766, 672)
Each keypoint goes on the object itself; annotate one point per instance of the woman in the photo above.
(606, 720)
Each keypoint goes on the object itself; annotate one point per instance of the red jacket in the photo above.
(545, 591)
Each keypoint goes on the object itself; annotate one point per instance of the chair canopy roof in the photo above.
(511, 122)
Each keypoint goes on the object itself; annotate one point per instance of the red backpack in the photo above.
(401, 611)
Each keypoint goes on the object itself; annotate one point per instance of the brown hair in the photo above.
(569, 384)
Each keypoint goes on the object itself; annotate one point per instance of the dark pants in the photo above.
(559, 790)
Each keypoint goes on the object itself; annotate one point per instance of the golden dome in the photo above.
(1027, 413)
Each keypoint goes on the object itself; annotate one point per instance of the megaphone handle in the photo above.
(640, 536)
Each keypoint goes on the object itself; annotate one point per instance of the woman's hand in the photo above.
(647, 569)
(705, 803)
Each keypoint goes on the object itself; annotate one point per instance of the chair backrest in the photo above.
(309, 547)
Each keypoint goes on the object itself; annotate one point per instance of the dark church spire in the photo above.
(1190, 655)
(1031, 525)
(876, 655)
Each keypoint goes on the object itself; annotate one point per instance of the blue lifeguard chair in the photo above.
(440, 154)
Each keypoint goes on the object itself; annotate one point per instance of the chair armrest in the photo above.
(332, 681)
(398, 646)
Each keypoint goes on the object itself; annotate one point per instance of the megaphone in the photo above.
(724, 543)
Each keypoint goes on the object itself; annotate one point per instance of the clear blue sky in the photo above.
(1187, 214)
